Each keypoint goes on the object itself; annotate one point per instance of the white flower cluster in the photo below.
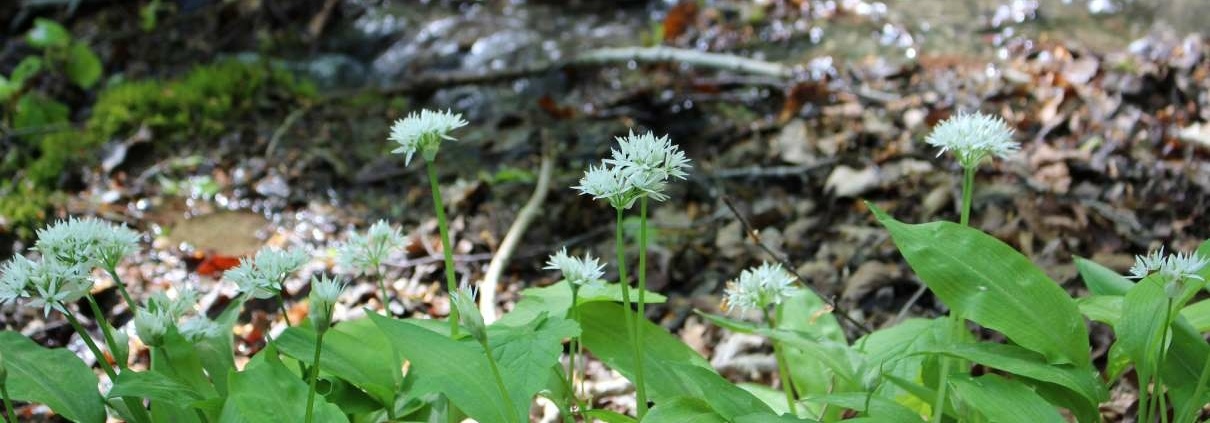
(423, 132)
(640, 166)
(576, 270)
(973, 137)
(87, 242)
(70, 249)
(161, 313)
(759, 287)
(324, 293)
(1174, 268)
(262, 276)
(365, 252)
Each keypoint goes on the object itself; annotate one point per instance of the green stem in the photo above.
(1202, 381)
(113, 273)
(447, 250)
(10, 414)
(783, 369)
(641, 389)
(968, 188)
(487, 350)
(319, 342)
(281, 305)
(106, 330)
(571, 348)
(580, 353)
(620, 243)
(382, 285)
(135, 406)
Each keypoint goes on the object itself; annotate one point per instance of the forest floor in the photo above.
(1114, 123)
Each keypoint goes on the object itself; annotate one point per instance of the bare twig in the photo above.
(910, 302)
(285, 126)
(755, 237)
(491, 280)
(596, 57)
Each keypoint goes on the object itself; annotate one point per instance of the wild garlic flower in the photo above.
(365, 252)
(759, 287)
(182, 304)
(657, 157)
(199, 328)
(262, 276)
(576, 270)
(1173, 268)
(87, 242)
(468, 313)
(151, 325)
(423, 132)
(608, 183)
(324, 293)
(51, 284)
(973, 137)
(14, 278)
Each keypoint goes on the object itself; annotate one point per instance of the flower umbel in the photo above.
(1173, 268)
(365, 252)
(262, 276)
(324, 292)
(576, 270)
(648, 154)
(151, 325)
(423, 132)
(609, 183)
(759, 287)
(972, 137)
(87, 242)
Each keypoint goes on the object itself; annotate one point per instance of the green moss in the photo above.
(23, 207)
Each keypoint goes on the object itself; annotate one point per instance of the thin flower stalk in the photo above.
(578, 272)
(324, 293)
(783, 368)
(447, 249)
(106, 331)
(135, 406)
(641, 385)
(627, 310)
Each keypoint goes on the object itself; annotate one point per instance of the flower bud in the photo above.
(121, 352)
(468, 314)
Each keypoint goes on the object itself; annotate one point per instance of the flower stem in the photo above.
(135, 406)
(319, 342)
(641, 389)
(783, 369)
(113, 273)
(10, 414)
(106, 330)
(571, 348)
(622, 279)
(281, 305)
(447, 250)
(382, 285)
(968, 188)
(491, 360)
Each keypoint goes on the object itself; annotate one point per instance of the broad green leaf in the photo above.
(833, 356)
(1004, 400)
(527, 355)
(47, 33)
(177, 359)
(83, 66)
(773, 398)
(1198, 315)
(1101, 308)
(555, 300)
(459, 368)
(7, 88)
(55, 377)
(683, 409)
(890, 351)
(1101, 280)
(1141, 327)
(986, 281)
(805, 313)
(157, 387)
(1013, 359)
(267, 391)
(1117, 362)
(671, 368)
(355, 351)
(873, 406)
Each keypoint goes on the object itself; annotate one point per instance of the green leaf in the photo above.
(555, 300)
(891, 352)
(27, 68)
(55, 377)
(47, 33)
(36, 110)
(805, 313)
(873, 406)
(1004, 400)
(528, 354)
(459, 368)
(672, 369)
(1198, 315)
(1142, 326)
(1102, 280)
(990, 283)
(266, 391)
(177, 359)
(83, 66)
(156, 387)
(831, 355)
(608, 416)
(683, 409)
(1101, 308)
(1013, 359)
(7, 88)
(355, 351)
